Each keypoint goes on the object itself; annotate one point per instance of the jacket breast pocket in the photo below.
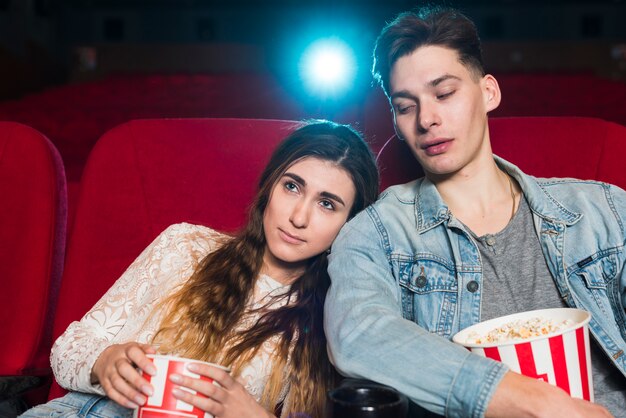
(429, 293)
(598, 276)
(598, 273)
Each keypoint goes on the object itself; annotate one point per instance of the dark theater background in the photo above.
(75, 69)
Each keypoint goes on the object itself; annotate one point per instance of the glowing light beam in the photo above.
(328, 67)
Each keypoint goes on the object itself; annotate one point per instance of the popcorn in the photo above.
(545, 344)
(520, 330)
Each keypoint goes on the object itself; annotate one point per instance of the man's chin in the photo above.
(439, 171)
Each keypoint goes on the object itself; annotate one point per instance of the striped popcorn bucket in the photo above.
(560, 358)
(162, 404)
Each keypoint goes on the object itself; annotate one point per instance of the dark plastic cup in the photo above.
(366, 402)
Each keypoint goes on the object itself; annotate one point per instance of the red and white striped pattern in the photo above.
(562, 360)
(163, 404)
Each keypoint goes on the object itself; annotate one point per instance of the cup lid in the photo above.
(188, 360)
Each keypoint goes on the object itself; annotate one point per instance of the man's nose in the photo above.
(428, 117)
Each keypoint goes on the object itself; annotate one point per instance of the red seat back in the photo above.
(33, 217)
(145, 175)
(584, 148)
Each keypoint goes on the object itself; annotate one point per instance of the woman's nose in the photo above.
(300, 215)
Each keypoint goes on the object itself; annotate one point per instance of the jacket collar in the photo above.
(431, 210)
(540, 201)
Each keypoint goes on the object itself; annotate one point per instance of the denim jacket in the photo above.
(406, 277)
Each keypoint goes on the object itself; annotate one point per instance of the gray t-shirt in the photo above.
(516, 279)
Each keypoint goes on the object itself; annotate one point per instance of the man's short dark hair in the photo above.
(446, 28)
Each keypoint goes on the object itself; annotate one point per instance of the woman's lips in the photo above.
(291, 239)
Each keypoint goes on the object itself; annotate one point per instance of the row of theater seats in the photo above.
(74, 116)
(562, 95)
(147, 174)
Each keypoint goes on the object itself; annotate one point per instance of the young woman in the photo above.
(252, 302)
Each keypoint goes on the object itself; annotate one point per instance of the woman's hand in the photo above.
(115, 370)
(229, 400)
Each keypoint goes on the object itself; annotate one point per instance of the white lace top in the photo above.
(120, 315)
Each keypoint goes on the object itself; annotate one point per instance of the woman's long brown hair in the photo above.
(201, 318)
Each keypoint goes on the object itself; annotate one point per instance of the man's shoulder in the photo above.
(399, 194)
(394, 204)
(593, 199)
(576, 189)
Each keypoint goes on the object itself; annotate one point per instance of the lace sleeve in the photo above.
(120, 315)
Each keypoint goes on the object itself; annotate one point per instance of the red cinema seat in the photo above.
(579, 147)
(33, 217)
(145, 175)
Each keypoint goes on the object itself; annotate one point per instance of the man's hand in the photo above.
(521, 396)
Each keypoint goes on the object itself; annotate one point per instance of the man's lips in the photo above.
(292, 239)
(436, 146)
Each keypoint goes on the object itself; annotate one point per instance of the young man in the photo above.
(474, 239)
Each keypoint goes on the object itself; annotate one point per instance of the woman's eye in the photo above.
(327, 204)
(445, 95)
(291, 186)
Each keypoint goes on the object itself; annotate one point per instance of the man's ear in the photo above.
(491, 92)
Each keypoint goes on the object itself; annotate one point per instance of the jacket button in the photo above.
(421, 281)
(472, 286)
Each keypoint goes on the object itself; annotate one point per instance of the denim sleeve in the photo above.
(617, 200)
(368, 337)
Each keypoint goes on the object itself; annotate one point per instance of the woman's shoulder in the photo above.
(192, 237)
(184, 228)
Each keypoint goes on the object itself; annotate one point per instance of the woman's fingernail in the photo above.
(193, 367)
(131, 405)
(139, 400)
(147, 390)
(176, 378)
(150, 369)
(177, 392)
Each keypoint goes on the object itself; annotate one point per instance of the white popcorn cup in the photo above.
(561, 358)
(163, 404)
